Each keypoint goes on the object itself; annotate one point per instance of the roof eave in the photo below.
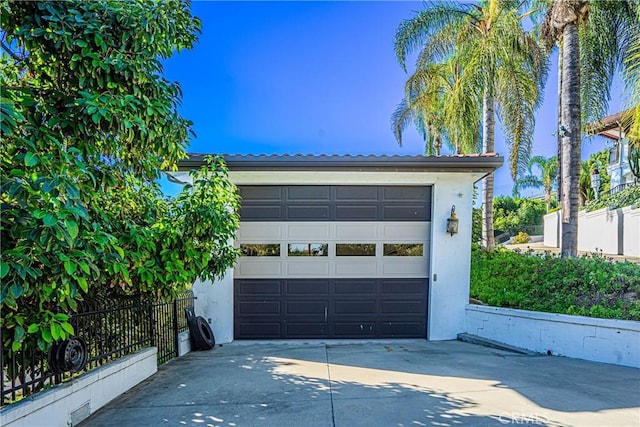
(478, 164)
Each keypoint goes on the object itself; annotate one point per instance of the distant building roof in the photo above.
(612, 126)
(484, 163)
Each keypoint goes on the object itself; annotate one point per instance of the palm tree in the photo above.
(595, 38)
(426, 92)
(546, 180)
(502, 66)
(632, 78)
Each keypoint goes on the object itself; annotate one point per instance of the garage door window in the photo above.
(270, 249)
(355, 249)
(403, 249)
(308, 249)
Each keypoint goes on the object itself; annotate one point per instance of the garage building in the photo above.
(346, 247)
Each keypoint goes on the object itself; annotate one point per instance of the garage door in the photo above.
(332, 262)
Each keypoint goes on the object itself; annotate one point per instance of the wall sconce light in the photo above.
(452, 222)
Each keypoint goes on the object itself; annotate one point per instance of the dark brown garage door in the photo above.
(331, 261)
(330, 308)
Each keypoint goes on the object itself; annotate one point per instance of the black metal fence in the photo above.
(169, 320)
(112, 328)
(619, 188)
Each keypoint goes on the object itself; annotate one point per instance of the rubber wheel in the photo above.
(52, 358)
(68, 355)
(202, 334)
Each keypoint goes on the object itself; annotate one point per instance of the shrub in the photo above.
(628, 197)
(521, 237)
(587, 286)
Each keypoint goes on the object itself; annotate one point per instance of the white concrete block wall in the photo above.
(600, 231)
(610, 231)
(552, 229)
(598, 340)
(69, 403)
(631, 227)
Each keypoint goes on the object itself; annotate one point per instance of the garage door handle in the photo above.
(325, 314)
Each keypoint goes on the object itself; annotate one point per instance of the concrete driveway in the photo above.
(393, 383)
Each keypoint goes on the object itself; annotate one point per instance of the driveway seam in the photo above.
(333, 414)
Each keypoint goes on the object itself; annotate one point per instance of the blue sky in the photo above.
(310, 77)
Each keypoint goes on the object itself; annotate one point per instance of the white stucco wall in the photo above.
(69, 403)
(600, 231)
(631, 227)
(552, 229)
(607, 231)
(450, 260)
(214, 302)
(598, 340)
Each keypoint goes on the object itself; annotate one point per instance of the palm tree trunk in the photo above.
(547, 198)
(558, 136)
(488, 132)
(571, 120)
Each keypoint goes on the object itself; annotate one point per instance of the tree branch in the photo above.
(11, 53)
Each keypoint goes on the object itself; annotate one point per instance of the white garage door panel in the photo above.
(355, 268)
(332, 233)
(309, 230)
(307, 268)
(260, 231)
(356, 232)
(405, 268)
(259, 267)
(404, 231)
(255, 232)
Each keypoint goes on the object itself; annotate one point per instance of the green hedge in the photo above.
(630, 196)
(585, 286)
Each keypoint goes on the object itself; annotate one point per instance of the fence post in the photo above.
(152, 328)
(175, 327)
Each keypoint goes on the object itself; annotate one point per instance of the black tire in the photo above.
(203, 336)
(69, 355)
(53, 358)
(193, 329)
(75, 354)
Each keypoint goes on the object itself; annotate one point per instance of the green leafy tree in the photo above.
(596, 37)
(597, 161)
(495, 76)
(513, 215)
(548, 169)
(88, 123)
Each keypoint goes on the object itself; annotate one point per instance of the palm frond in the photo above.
(412, 33)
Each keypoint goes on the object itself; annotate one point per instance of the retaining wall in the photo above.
(598, 340)
(68, 404)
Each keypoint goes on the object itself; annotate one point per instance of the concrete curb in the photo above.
(474, 339)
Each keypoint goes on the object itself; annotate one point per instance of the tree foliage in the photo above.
(514, 215)
(502, 74)
(597, 161)
(511, 215)
(427, 92)
(546, 180)
(88, 123)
